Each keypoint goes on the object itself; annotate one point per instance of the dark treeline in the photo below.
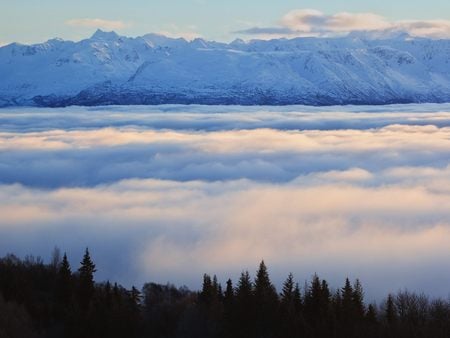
(53, 300)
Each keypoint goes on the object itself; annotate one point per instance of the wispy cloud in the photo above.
(97, 23)
(310, 22)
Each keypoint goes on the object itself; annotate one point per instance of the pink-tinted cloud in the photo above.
(311, 22)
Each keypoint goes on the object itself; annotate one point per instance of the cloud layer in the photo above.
(311, 22)
(143, 230)
(168, 193)
(88, 157)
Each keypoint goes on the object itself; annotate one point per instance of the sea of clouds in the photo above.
(167, 193)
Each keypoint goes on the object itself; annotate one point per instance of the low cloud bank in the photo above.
(60, 158)
(156, 198)
(390, 236)
(217, 118)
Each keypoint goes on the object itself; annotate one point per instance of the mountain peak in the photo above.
(102, 35)
(238, 42)
(155, 39)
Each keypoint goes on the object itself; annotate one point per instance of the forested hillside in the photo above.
(55, 300)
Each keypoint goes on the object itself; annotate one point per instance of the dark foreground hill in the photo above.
(51, 300)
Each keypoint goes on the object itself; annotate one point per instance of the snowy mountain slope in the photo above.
(153, 69)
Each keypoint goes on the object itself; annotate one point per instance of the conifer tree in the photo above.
(347, 299)
(64, 283)
(266, 301)
(265, 293)
(217, 289)
(313, 299)
(86, 279)
(347, 310)
(228, 297)
(325, 295)
(244, 307)
(390, 311)
(228, 310)
(289, 319)
(287, 293)
(358, 300)
(64, 268)
(245, 287)
(298, 302)
(371, 314)
(207, 293)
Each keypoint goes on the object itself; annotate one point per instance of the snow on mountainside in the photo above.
(153, 69)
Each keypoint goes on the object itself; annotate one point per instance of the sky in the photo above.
(167, 193)
(32, 21)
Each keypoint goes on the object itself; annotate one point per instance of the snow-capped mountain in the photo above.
(153, 69)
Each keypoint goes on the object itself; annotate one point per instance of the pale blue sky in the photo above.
(38, 20)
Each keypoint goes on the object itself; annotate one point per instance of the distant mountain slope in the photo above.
(153, 69)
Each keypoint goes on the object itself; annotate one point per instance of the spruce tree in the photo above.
(228, 310)
(287, 293)
(86, 279)
(217, 289)
(313, 299)
(207, 294)
(264, 289)
(228, 297)
(390, 311)
(297, 298)
(244, 307)
(371, 315)
(64, 283)
(347, 310)
(289, 319)
(358, 300)
(244, 288)
(266, 301)
(347, 299)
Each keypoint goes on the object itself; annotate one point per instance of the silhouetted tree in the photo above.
(64, 285)
(266, 301)
(289, 314)
(86, 280)
(229, 319)
(244, 307)
(391, 311)
(358, 300)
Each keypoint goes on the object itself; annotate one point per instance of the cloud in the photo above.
(97, 23)
(90, 157)
(439, 29)
(87, 147)
(141, 230)
(170, 192)
(314, 21)
(310, 22)
(217, 118)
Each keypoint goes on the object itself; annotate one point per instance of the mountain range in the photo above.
(105, 69)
